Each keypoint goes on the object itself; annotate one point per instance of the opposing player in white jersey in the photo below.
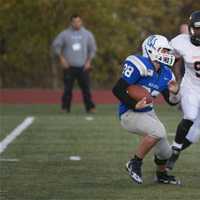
(187, 49)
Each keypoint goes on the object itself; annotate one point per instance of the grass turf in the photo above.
(45, 172)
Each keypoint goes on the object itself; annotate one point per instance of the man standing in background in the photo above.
(75, 48)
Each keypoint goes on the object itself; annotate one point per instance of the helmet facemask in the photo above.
(164, 58)
(195, 36)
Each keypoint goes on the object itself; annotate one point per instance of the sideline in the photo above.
(16, 132)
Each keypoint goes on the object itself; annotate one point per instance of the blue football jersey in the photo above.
(141, 71)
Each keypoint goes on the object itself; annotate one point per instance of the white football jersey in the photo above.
(191, 56)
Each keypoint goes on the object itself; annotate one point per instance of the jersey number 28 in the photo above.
(128, 70)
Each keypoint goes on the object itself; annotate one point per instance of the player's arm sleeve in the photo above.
(168, 98)
(130, 76)
(171, 98)
(120, 91)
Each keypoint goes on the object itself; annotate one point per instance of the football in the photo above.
(138, 92)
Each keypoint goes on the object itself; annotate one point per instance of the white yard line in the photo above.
(9, 160)
(75, 158)
(89, 118)
(16, 132)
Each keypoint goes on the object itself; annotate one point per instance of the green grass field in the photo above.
(36, 165)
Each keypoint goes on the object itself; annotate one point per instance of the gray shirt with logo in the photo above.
(75, 45)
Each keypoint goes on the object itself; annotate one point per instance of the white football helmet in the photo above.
(153, 46)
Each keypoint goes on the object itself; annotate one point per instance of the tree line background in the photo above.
(28, 27)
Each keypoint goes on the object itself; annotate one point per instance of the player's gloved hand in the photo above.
(144, 102)
(173, 87)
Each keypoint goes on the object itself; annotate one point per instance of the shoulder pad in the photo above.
(179, 40)
(138, 64)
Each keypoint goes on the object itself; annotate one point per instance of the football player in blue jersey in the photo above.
(152, 72)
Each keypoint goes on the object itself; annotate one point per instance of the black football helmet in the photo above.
(194, 27)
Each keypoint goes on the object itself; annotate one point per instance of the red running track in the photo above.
(47, 96)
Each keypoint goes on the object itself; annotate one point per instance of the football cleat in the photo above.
(172, 160)
(134, 169)
(163, 177)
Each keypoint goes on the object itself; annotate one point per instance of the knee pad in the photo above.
(194, 132)
(190, 117)
(164, 155)
(163, 150)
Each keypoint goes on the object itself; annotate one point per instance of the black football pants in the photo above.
(83, 79)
